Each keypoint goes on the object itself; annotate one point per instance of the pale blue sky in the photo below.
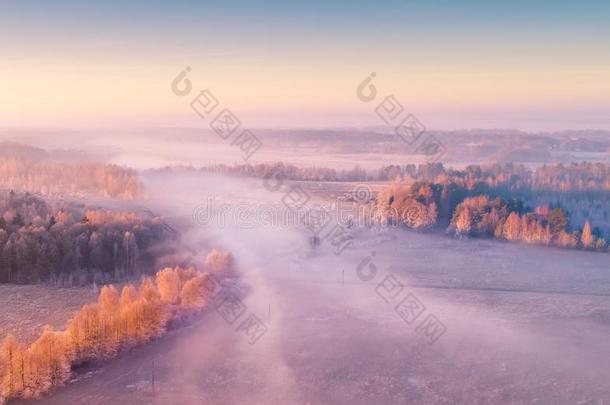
(453, 62)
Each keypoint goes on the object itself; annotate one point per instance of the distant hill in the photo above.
(341, 144)
(17, 150)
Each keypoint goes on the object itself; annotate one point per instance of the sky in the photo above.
(542, 65)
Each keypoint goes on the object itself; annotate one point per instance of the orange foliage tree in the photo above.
(101, 329)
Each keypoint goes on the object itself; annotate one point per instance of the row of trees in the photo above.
(560, 177)
(102, 329)
(69, 179)
(280, 169)
(67, 244)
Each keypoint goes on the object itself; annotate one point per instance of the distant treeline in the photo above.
(70, 244)
(560, 177)
(287, 171)
(69, 179)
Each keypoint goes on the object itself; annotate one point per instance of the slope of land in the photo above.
(27, 308)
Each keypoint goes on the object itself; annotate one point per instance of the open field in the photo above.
(27, 308)
(523, 325)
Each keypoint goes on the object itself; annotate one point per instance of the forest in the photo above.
(67, 243)
(465, 211)
(72, 179)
